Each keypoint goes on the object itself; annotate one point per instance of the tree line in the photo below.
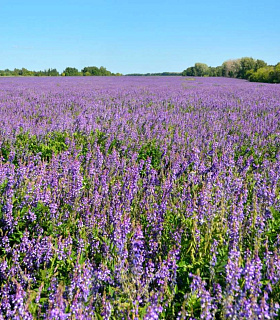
(69, 71)
(245, 68)
(25, 73)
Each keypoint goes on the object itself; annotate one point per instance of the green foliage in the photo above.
(231, 68)
(24, 72)
(100, 138)
(215, 71)
(52, 143)
(189, 72)
(269, 151)
(262, 75)
(55, 143)
(151, 150)
(246, 64)
(244, 68)
(95, 71)
(259, 64)
(274, 227)
(5, 150)
(199, 70)
(276, 75)
(71, 72)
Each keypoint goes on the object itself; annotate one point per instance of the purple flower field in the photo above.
(139, 198)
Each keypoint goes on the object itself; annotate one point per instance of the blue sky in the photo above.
(136, 36)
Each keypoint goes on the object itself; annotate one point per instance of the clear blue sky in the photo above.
(136, 36)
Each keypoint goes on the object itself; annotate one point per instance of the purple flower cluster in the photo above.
(139, 198)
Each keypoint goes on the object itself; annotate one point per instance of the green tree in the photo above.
(93, 71)
(104, 72)
(201, 69)
(219, 71)
(276, 73)
(263, 75)
(71, 72)
(189, 72)
(246, 64)
(24, 72)
(16, 72)
(51, 72)
(230, 68)
(260, 64)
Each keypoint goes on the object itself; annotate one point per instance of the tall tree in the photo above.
(260, 64)
(71, 72)
(246, 64)
(93, 71)
(189, 72)
(201, 69)
(230, 68)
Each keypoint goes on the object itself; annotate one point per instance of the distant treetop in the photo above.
(69, 71)
(244, 68)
